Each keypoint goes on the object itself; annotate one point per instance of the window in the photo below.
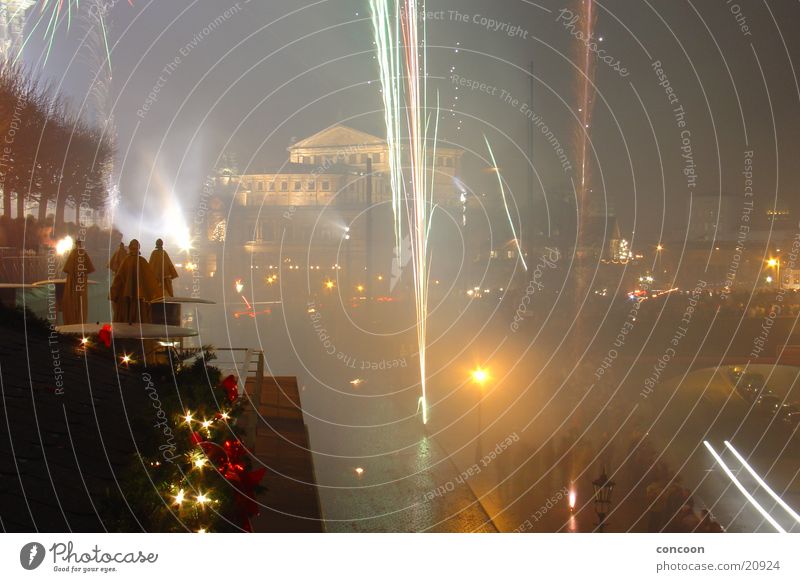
(284, 186)
(353, 159)
(326, 185)
(511, 254)
(271, 186)
(377, 157)
(260, 186)
(311, 186)
(364, 158)
(306, 159)
(298, 185)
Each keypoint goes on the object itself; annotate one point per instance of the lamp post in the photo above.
(659, 249)
(480, 376)
(603, 488)
(776, 264)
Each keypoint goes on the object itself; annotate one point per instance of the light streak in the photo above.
(741, 488)
(762, 483)
(505, 203)
(397, 39)
(54, 12)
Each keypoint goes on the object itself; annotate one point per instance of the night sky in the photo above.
(275, 70)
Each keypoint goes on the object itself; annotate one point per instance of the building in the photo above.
(319, 211)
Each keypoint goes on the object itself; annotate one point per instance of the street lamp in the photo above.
(603, 488)
(775, 264)
(480, 376)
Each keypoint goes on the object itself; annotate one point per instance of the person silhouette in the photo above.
(163, 269)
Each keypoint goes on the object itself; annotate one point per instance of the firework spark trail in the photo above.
(398, 44)
(53, 13)
(505, 203)
(585, 81)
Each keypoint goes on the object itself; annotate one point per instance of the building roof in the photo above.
(338, 136)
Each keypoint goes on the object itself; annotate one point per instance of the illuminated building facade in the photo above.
(321, 210)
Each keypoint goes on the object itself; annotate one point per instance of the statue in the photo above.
(75, 303)
(163, 268)
(134, 286)
(117, 258)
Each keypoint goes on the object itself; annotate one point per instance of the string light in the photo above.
(188, 418)
(180, 497)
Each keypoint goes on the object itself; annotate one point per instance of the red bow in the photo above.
(104, 335)
(231, 386)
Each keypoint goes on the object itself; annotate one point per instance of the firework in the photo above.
(56, 14)
(505, 202)
(402, 59)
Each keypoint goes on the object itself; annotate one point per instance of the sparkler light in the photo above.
(505, 203)
(762, 483)
(402, 59)
(64, 245)
(742, 488)
(53, 13)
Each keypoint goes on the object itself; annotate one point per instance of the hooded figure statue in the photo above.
(75, 303)
(163, 268)
(117, 258)
(133, 287)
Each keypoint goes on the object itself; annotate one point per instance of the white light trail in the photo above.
(761, 482)
(402, 58)
(505, 204)
(741, 488)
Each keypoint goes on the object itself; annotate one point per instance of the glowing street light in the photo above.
(480, 376)
(775, 263)
(329, 284)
